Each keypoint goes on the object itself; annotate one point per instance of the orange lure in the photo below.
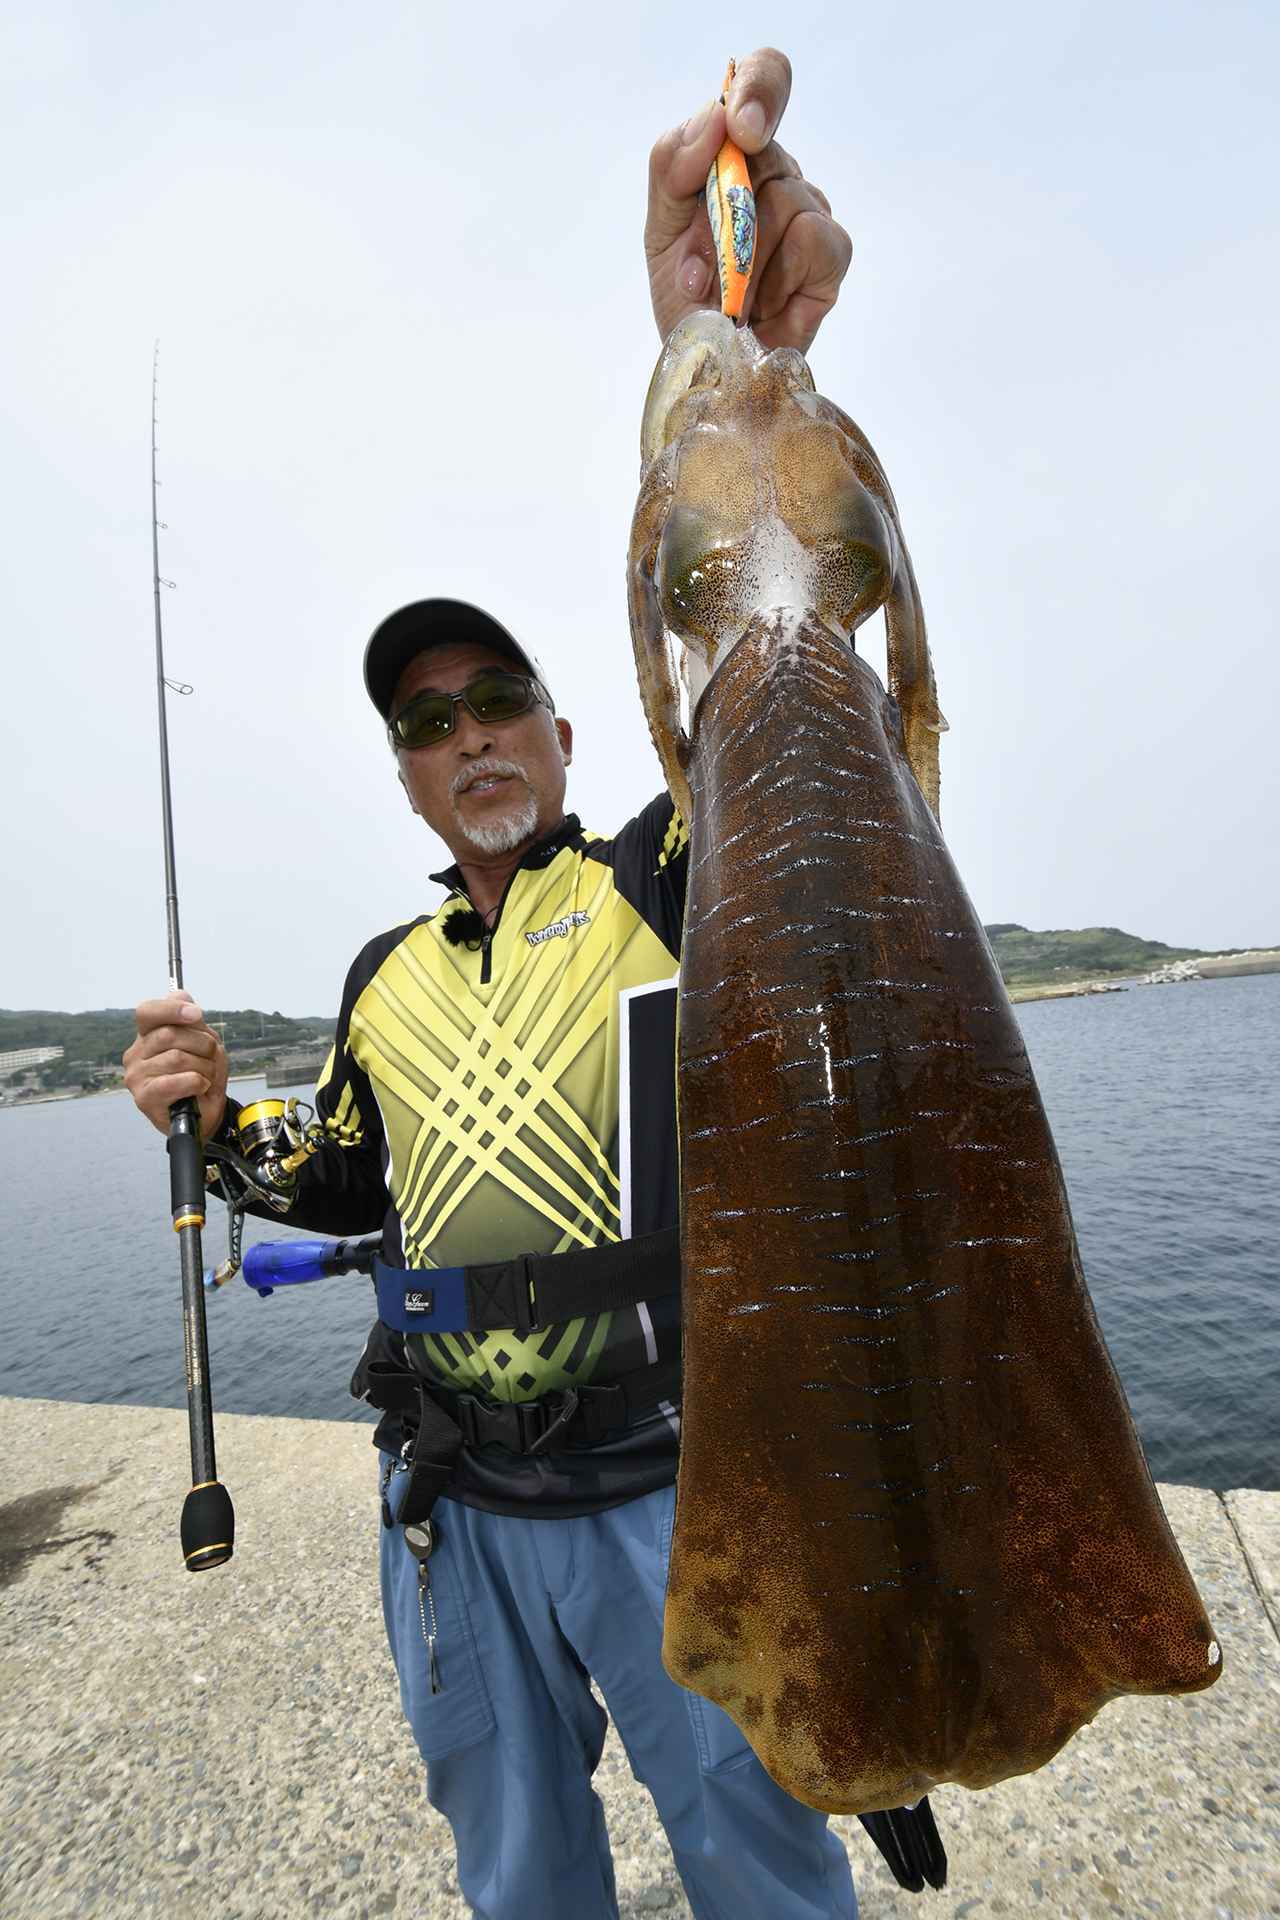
(731, 206)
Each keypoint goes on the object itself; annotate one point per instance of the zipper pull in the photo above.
(387, 1471)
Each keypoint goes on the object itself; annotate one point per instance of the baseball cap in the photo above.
(434, 623)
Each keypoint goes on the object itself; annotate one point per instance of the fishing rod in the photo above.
(208, 1528)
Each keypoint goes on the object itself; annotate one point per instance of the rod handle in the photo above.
(208, 1527)
(186, 1164)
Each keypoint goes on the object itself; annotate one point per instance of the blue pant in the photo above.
(524, 1611)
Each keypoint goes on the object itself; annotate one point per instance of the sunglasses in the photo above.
(489, 697)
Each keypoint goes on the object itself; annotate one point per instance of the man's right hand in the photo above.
(802, 255)
(176, 1056)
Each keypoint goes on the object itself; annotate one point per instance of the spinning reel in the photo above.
(274, 1138)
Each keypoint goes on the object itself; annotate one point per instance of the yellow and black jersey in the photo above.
(514, 1092)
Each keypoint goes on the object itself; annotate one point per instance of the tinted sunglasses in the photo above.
(489, 697)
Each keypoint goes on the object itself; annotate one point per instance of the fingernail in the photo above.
(750, 120)
(695, 277)
(695, 125)
(191, 1012)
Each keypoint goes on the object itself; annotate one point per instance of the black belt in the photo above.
(527, 1293)
(448, 1421)
(576, 1416)
(532, 1291)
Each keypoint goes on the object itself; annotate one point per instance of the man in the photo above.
(502, 1086)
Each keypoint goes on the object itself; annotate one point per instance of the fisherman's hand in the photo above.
(802, 255)
(176, 1056)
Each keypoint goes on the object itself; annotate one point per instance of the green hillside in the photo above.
(94, 1042)
(1030, 959)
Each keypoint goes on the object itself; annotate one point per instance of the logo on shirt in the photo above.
(558, 929)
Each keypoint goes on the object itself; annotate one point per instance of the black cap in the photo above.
(433, 623)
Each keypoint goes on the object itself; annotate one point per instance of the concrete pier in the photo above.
(230, 1743)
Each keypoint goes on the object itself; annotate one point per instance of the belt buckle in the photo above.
(568, 1407)
(466, 1411)
(604, 1411)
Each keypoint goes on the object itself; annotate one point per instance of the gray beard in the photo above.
(505, 834)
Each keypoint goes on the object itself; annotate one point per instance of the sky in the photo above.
(393, 259)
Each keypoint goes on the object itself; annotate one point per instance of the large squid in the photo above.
(916, 1538)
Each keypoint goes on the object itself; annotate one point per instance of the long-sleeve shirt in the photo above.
(515, 1093)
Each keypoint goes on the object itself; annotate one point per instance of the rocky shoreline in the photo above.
(1212, 966)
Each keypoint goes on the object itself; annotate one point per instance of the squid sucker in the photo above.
(916, 1539)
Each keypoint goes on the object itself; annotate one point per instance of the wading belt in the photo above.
(533, 1291)
(529, 1293)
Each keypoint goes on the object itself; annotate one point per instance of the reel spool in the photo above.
(258, 1125)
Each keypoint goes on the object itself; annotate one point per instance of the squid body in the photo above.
(916, 1538)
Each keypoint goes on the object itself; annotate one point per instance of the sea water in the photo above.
(1164, 1101)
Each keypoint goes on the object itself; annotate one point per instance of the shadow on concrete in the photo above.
(29, 1527)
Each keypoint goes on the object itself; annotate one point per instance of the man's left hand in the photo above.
(802, 255)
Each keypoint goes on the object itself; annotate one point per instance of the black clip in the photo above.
(568, 1407)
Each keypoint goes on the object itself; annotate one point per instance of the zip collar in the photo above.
(540, 854)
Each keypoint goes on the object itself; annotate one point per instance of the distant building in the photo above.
(29, 1057)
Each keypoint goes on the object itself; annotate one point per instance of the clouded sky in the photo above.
(393, 259)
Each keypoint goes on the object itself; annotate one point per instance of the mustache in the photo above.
(482, 769)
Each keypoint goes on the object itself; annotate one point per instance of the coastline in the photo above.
(1074, 989)
(94, 1093)
(1213, 966)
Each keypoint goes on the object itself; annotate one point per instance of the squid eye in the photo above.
(852, 581)
(700, 597)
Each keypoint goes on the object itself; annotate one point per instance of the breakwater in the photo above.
(232, 1742)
